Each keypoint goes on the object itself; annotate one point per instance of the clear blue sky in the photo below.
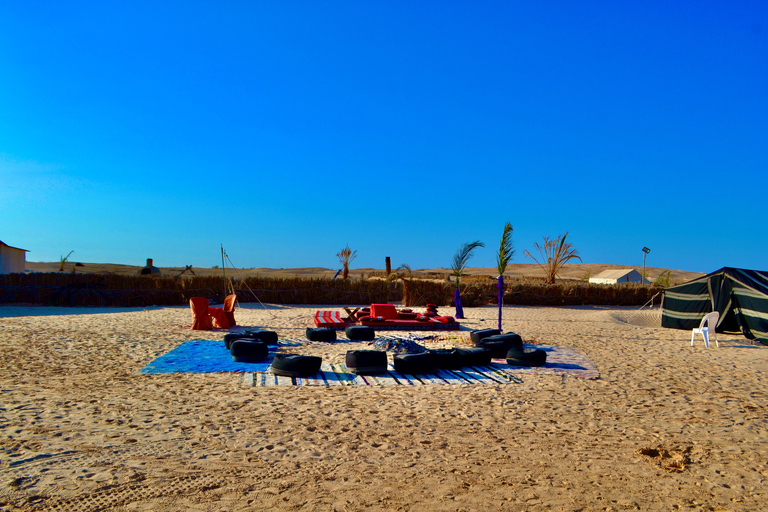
(286, 130)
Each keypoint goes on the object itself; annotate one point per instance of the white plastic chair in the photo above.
(708, 321)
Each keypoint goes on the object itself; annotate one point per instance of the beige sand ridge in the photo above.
(667, 426)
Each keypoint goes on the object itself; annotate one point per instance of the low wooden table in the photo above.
(351, 315)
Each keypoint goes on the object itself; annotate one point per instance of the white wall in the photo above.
(601, 280)
(12, 260)
(631, 277)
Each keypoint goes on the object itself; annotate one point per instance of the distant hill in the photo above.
(579, 271)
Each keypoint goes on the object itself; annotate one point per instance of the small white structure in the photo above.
(12, 259)
(618, 276)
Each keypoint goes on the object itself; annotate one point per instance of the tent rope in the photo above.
(242, 282)
(641, 307)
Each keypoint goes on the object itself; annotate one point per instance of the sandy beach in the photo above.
(666, 426)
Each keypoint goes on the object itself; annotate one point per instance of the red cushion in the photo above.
(387, 311)
(368, 319)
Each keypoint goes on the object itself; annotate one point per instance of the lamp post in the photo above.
(645, 253)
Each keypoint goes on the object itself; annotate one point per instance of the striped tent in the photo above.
(739, 295)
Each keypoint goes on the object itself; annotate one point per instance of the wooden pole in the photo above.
(224, 270)
(389, 266)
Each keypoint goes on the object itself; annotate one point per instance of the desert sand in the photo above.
(667, 426)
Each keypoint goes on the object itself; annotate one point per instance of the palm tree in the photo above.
(63, 260)
(345, 257)
(404, 274)
(458, 264)
(503, 257)
(554, 254)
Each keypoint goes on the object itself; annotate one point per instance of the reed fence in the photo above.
(58, 289)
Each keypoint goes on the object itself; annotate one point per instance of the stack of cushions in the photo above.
(432, 314)
(407, 314)
(431, 311)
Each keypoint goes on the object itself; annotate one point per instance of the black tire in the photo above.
(366, 362)
(476, 336)
(500, 344)
(526, 357)
(231, 338)
(448, 358)
(268, 337)
(476, 356)
(249, 351)
(515, 339)
(294, 365)
(413, 364)
(321, 334)
(360, 333)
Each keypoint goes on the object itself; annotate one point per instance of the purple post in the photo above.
(500, 286)
(457, 302)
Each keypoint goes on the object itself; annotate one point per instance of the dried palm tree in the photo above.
(404, 274)
(554, 254)
(345, 257)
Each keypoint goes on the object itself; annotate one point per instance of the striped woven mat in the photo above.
(567, 361)
(337, 375)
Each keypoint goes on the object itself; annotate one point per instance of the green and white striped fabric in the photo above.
(739, 295)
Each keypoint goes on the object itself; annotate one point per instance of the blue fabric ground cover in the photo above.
(203, 356)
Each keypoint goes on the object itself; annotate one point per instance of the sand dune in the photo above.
(580, 271)
(667, 426)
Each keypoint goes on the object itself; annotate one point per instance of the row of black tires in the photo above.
(251, 347)
(353, 332)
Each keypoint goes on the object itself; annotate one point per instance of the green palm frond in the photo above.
(506, 252)
(461, 258)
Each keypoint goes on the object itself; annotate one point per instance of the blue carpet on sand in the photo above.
(203, 356)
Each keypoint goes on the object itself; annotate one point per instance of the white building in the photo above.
(12, 259)
(618, 276)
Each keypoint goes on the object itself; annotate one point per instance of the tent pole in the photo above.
(224, 270)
